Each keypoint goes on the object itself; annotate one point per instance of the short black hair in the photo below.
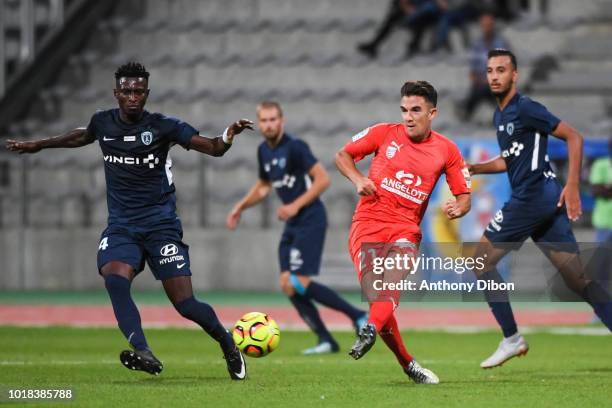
(502, 52)
(420, 88)
(132, 70)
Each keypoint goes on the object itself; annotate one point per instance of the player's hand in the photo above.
(237, 127)
(451, 208)
(471, 168)
(454, 208)
(232, 220)
(365, 187)
(22, 147)
(570, 196)
(287, 211)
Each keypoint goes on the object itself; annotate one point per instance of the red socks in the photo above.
(381, 316)
(392, 338)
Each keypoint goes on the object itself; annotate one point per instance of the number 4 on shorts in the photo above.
(103, 244)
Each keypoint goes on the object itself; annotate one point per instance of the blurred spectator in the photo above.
(601, 183)
(414, 15)
(479, 89)
(543, 6)
(454, 14)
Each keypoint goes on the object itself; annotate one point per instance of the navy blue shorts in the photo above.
(547, 224)
(300, 249)
(161, 247)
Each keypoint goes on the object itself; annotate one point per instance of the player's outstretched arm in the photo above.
(219, 145)
(346, 165)
(570, 196)
(320, 183)
(75, 138)
(257, 193)
(495, 165)
(457, 207)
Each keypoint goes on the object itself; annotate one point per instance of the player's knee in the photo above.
(305, 281)
(296, 285)
(287, 289)
(115, 283)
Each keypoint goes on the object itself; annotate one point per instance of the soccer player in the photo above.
(287, 165)
(142, 221)
(539, 206)
(409, 157)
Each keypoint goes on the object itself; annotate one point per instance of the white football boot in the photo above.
(420, 375)
(509, 347)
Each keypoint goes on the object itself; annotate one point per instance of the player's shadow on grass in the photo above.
(595, 370)
(195, 380)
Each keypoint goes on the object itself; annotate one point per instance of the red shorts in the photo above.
(380, 237)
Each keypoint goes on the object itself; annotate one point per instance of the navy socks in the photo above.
(500, 304)
(331, 299)
(310, 314)
(204, 315)
(126, 311)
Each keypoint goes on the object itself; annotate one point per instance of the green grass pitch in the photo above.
(560, 371)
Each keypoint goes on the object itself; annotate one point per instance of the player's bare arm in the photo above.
(570, 196)
(75, 138)
(346, 165)
(320, 183)
(457, 207)
(495, 165)
(219, 145)
(258, 192)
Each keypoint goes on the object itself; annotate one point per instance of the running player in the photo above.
(409, 157)
(287, 165)
(142, 221)
(539, 207)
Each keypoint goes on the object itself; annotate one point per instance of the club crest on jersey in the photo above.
(392, 149)
(146, 137)
(510, 128)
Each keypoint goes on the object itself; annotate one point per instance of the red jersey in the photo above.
(405, 173)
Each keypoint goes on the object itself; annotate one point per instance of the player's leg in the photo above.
(117, 280)
(168, 258)
(498, 300)
(180, 293)
(309, 313)
(119, 259)
(508, 229)
(308, 246)
(556, 240)
(290, 260)
(392, 337)
(383, 302)
(513, 344)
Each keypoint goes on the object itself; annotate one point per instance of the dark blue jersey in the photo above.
(139, 186)
(522, 132)
(286, 167)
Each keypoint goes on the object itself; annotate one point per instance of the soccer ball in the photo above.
(256, 334)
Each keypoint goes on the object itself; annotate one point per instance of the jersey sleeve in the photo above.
(260, 166)
(535, 115)
(457, 174)
(302, 155)
(182, 132)
(92, 127)
(598, 172)
(366, 142)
